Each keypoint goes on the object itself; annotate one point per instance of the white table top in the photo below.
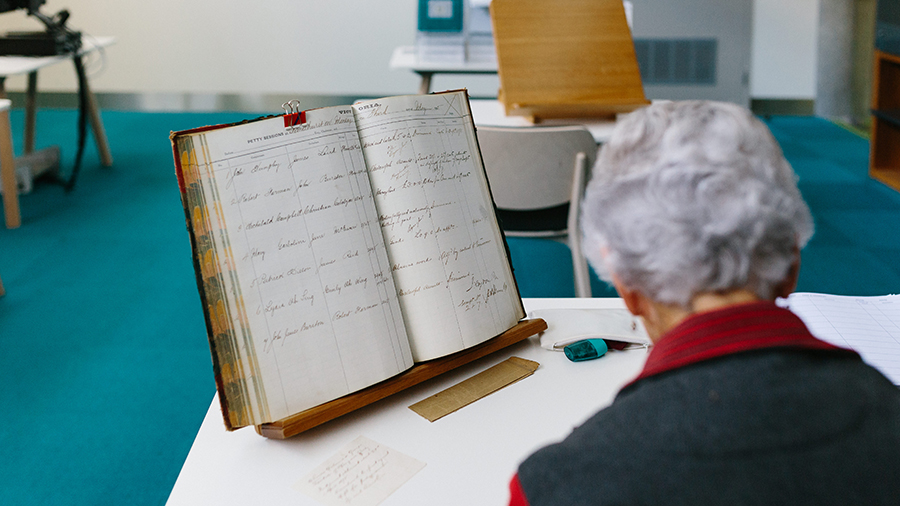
(470, 455)
(15, 65)
(406, 57)
(491, 113)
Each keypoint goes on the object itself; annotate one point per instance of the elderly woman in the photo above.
(693, 214)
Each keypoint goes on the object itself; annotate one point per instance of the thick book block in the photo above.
(565, 58)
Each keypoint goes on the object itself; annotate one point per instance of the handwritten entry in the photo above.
(305, 243)
(363, 473)
(446, 251)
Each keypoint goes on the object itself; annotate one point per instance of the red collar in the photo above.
(734, 329)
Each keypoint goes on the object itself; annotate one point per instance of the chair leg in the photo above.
(579, 263)
(2, 291)
(8, 173)
(582, 274)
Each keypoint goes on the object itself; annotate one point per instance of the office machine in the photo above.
(56, 39)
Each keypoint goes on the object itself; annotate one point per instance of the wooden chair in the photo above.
(2, 291)
(537, 177)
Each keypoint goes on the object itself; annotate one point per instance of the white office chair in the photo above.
(537, 177)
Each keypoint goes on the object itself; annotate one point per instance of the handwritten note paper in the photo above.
(363, 473)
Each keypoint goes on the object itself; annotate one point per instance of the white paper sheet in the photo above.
(868, 325)
(363, 473)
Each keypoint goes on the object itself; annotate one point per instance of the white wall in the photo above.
(783, 55)
(230, 46)
(332, 47)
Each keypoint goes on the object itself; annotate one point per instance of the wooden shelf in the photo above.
(891, 116)
(890, 176)
(884, 154)
(424, 371)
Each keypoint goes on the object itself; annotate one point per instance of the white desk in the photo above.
(487, 112)
(491, 113)
(470, 455)
(406, 57)
(17, 65)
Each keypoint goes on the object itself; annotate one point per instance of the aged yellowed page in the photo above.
(447, 255)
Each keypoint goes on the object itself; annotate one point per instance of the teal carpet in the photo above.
(103, 357)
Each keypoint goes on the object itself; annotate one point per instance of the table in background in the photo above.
(486, 112)
(17, 65)
(406, 57)
(470, 455)
(490, 112)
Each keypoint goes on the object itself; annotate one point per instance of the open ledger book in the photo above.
(336, 253)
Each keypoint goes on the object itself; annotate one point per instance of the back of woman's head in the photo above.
(693, 197)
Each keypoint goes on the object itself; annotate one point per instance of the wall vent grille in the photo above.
(677, 61)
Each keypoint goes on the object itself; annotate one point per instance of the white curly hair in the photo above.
(693, 197)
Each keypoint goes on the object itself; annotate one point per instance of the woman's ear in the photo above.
(789, 283)
(633, 299)
(641, 306)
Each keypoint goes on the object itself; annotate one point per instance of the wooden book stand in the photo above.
(312, 417)
(565, 58)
